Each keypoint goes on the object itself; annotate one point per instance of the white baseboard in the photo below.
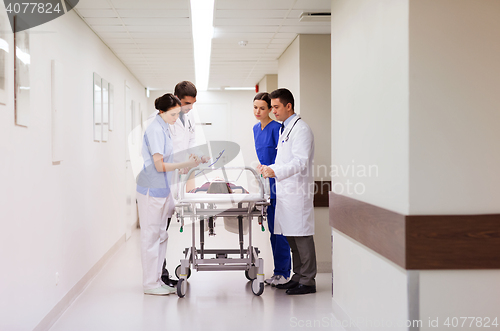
(56, 312)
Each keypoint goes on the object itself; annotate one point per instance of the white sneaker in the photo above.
(172, 289)
(269, 281)
(159, 291)
(279, 279)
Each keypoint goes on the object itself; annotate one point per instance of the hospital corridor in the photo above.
(250, 165)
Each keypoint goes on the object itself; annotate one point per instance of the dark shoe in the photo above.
(301, 289)
(290, 284)
(169, 281)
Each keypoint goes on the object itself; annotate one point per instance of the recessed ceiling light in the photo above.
(202, 16)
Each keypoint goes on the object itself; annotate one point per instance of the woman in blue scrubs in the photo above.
(266, 134)
(153, 192)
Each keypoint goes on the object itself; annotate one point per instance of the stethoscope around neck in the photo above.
(288, 135)
(191, 129)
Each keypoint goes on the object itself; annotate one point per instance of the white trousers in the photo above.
(153, 215)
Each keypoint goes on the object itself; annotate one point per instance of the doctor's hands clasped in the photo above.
(266, 171)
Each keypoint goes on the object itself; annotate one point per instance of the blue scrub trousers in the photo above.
(280, 246)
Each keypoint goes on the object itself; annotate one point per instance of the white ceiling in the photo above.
(153, 37)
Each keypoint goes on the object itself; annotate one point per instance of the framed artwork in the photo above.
(97, 107)
(111, 100)
(21, 75)
(105, 110)
(4, 50)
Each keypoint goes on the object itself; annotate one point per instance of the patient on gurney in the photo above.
(219, 186)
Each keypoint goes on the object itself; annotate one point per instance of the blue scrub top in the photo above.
(156, 140)
(266, 142)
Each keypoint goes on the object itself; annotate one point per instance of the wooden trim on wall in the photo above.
(321, 193)
(378, 229)
(439, 242)
(453, 242)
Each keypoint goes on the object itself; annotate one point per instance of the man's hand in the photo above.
(204, 159)
(266, 171)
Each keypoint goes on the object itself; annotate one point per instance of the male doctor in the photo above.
(183, 140)
(294, 217)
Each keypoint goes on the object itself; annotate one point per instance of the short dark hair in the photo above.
(185, 89)
(264, 96)
(284, 95)
(166, 102)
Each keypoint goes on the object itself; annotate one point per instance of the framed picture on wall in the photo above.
(22, 75)
(4, 50)
(97, 107)
(111, 100)
(105, 110)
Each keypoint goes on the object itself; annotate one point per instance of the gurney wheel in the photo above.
(178, 272)
(257, 287)
(181, 288)
(251, 274)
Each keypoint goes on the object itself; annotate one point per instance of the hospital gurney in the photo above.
(201, 207)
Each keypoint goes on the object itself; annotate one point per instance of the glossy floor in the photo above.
(220, 300)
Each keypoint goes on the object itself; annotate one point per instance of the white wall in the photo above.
(59, 218)
(455, 107)
(304, 69)
(368, 289)
(269, 83)
(315, 97)
(370, 131)
(415, 90)
(289, 71)
(370, 106)
(454, 138)
(451, 293)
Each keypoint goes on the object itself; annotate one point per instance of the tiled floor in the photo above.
(220, 300)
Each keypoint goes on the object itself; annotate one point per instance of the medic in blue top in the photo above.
(266, 134)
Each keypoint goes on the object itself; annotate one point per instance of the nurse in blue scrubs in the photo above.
(266, 134)
(153, 192)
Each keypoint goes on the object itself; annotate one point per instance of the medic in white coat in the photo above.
(294, 181)
(294, 217)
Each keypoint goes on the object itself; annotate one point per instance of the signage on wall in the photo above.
(24, 15)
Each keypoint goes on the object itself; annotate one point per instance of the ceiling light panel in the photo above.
(109, 28)
(152, 13)
(151, 4)
(255, 13)
(262, 5)
(93, 4)
(103, 21)
(96, 12)
(248, 22)
(158, 21)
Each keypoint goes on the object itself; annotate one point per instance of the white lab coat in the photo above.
(294, 180)
(183, 135)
